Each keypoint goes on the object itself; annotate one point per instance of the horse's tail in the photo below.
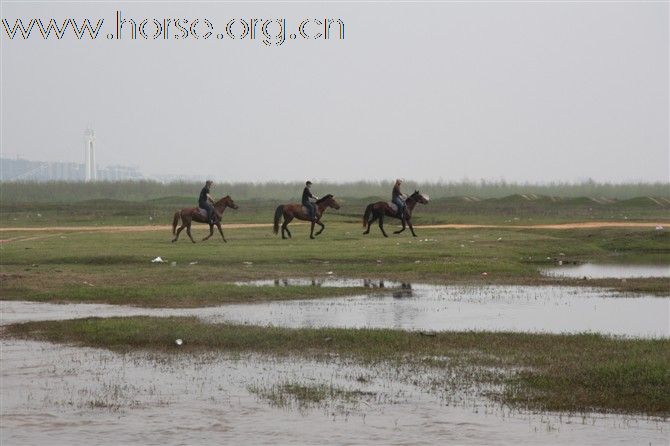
(366, 215)
(278, 213)
(175, 221)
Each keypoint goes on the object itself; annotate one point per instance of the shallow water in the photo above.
(603, 271)
(549, 309)
(60, 395)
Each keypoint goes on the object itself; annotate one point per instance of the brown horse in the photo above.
(295, 210)
(188, 215)
(380, 209)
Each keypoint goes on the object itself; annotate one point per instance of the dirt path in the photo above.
(167, 228)
(582, 225)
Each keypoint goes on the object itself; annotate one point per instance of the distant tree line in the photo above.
(64, 192)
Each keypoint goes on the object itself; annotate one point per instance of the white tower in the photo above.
(91, 170)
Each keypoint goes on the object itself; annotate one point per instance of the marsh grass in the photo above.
(290, 394)
(584, 372)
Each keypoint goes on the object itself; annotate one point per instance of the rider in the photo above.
(205, 201)
(398, 198)
(306, 195)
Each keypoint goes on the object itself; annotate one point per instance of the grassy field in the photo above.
(511, 210)
(547, 372)
(116, 267)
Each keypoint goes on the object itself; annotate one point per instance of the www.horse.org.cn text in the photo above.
(270, 32)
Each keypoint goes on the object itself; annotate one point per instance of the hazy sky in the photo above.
(525, 91)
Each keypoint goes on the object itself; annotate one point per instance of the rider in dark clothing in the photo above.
(306, 195)
(204, 201)
(398, 198)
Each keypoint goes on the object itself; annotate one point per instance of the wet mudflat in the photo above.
(56, 394)
(607, 271)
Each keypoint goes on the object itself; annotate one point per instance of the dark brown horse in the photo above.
(189, 215)
(296, 210)
(377, 211)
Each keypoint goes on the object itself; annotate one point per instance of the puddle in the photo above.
(56, 394)
(548, 309)
(602, 271)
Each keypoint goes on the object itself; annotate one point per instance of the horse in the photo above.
(199, 215)
(295, 210)
(380, 209)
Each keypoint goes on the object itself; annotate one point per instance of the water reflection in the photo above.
(604, 271)
(287, 282)
(328, 282)
(400, 289)
(404, 291)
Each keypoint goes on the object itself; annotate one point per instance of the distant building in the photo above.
(119, 173)
(24, 170)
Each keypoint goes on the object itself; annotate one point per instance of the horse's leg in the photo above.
(322, 227)
(381, 225)
(218, 225)
(284, 227)
(176, 237)
(403, 226)
(372, 220)
(188, 231)
(211, 232)
(311, 229)
(411, 228)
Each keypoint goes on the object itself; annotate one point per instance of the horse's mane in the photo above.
(221, 200)
(324, 198)
(414, 195)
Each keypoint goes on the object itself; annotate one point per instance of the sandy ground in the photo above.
(168, 228)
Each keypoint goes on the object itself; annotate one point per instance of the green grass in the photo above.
(178, 295)
(583, 372)
(117, 268)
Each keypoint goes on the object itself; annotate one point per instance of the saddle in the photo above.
(394, 208)
(203, 214)
(306, 211)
